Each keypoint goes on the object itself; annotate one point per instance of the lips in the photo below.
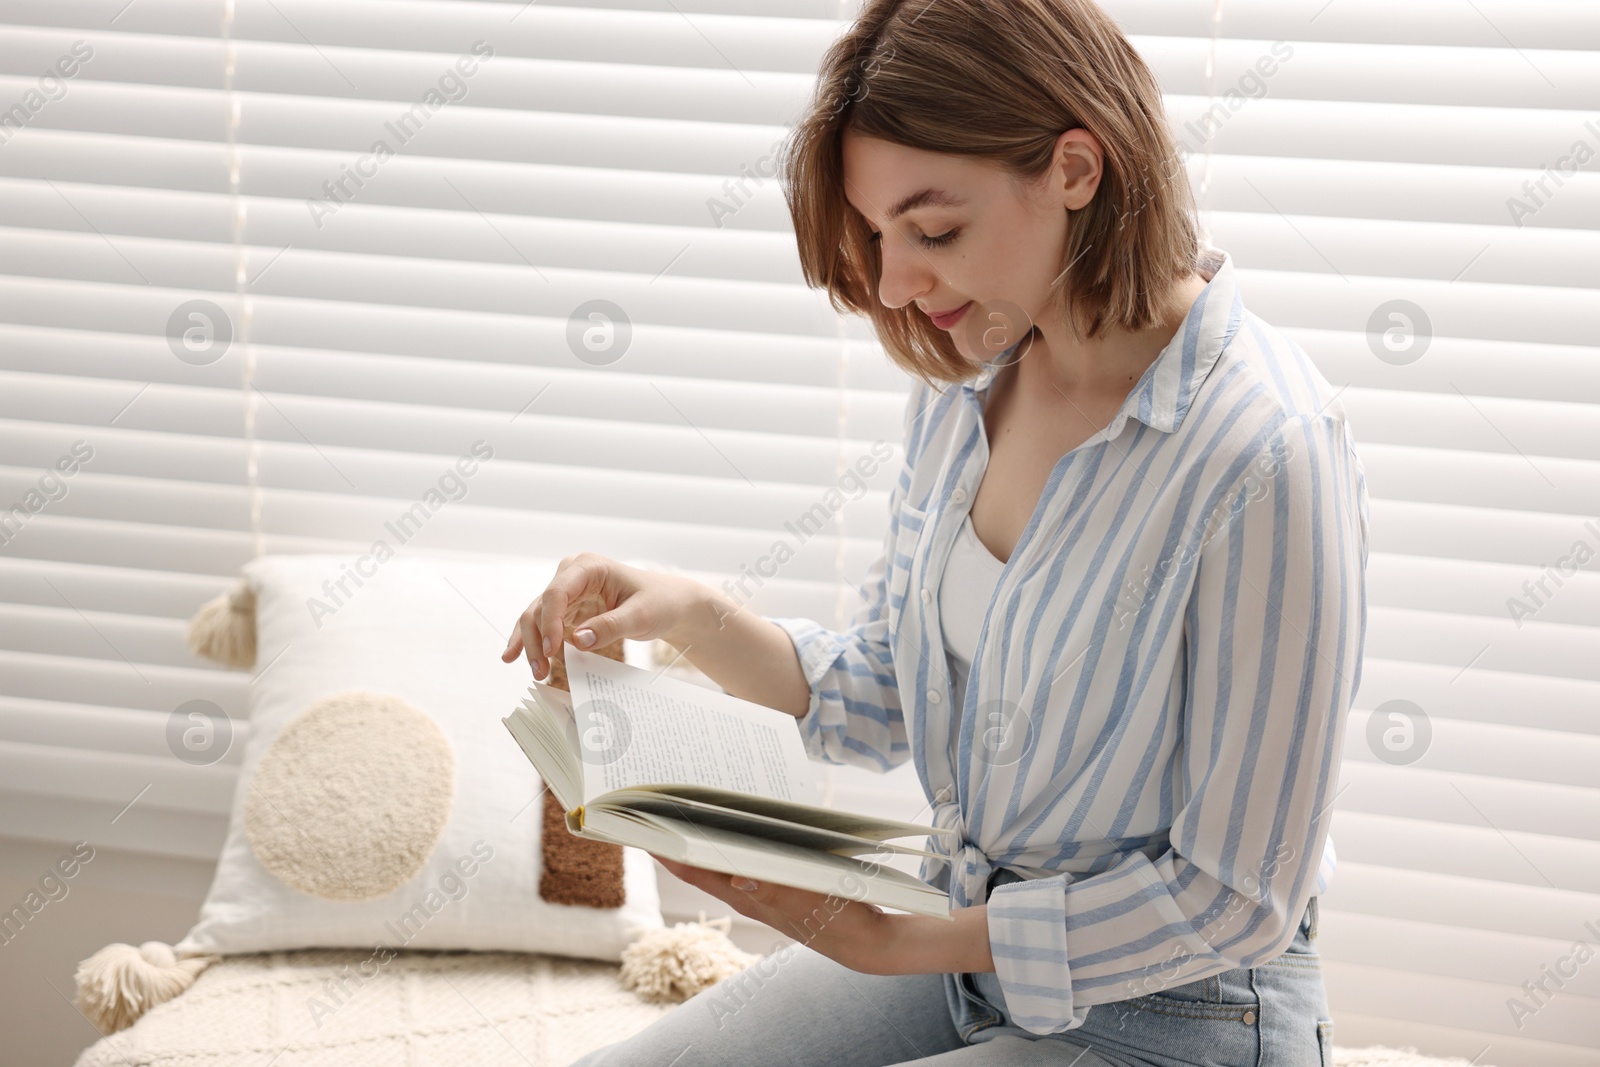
(945, 320)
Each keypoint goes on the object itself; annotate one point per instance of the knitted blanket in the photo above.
(316, 1008)
(338, 1008)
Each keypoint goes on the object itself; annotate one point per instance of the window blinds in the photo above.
(373, 233)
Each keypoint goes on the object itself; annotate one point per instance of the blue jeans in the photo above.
(797, 1007)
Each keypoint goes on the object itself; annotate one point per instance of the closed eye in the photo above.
(931, 242)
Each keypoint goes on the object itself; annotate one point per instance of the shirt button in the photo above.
(934, 697)
(1249, 1018)
(927, 597)
(959, 495)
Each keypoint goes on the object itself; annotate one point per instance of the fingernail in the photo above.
(547, 642)
(583, 638)
(745, 884)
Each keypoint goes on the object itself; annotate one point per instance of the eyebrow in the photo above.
(925, 198)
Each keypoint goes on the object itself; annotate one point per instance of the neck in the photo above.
(1113, 362)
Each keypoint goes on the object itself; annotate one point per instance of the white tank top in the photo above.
(964, 591)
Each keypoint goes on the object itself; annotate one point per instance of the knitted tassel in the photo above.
(120, 983)
(224, 629)
(675, 963)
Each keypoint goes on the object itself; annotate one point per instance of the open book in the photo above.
(707, 779)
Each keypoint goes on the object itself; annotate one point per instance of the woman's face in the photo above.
(977, 239)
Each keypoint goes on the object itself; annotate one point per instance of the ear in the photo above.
(1076, 168)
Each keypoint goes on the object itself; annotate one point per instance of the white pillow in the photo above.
(450, 858)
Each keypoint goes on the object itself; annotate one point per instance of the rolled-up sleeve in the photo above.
(855, 715)
(1273, 632)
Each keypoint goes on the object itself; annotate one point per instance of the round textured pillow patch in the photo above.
(351, 797)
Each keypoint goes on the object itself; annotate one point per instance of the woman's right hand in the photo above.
(591, 593)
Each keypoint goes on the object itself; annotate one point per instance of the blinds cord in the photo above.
(243, 306)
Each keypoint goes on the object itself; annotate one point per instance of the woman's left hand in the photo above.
(850, 932)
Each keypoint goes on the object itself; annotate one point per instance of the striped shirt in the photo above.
(1149, 743)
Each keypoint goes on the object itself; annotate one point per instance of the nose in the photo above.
(906, 275)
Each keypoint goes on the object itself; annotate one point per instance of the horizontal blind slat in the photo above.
(455, 231)
(1455, 790)
(1450, 900)
(1432, 949)
(1446, 1001)
(163, 783)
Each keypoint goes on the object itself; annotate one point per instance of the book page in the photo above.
(560, 702)
(717, 849)
(641, 728)
(672, 802)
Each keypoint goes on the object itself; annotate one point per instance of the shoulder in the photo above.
(1267, 396)
(1282, 430)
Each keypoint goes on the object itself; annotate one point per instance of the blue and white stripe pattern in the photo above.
(1149, 746)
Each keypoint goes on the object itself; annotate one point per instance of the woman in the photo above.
(1118, 619)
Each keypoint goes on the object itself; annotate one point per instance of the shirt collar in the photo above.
(1162, 396)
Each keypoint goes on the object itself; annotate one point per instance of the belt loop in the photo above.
(1311, 919)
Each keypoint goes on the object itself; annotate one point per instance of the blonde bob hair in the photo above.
(1000, 80)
